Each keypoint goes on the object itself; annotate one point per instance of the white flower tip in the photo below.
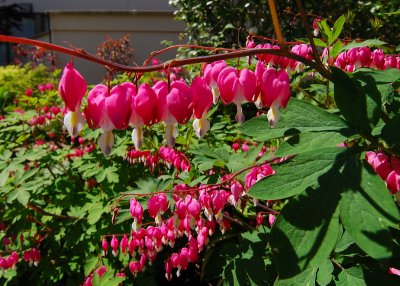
(215, 93)
(137, 137)
(74, 122)
(106, 142)
(273, 115)
(201, 126)
(171, 134)
(239, 114)
(258, 102)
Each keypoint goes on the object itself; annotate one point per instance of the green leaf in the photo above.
(359, 100)
(345, 241)
(307, 277)
(6, 155)
(306, 230)
(95, 279)
(338, 27)
(389, 75)
(147, 185)
(26, 175)
(377, 198)
(22, 196)
(123, 215)
(367, 43)
(351, 277)
(326, 31)
(320, 43)
(249, 250)
(387, 92)
(390, 131)
(3, 177)
(95, 212)
(336, 48)
(299, 116)
(111, 173)
(90, 264)
(362, 216)
(309, 141)
(298, 173)
(324, 274)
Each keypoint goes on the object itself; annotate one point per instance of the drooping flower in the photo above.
(145, 111)
(157, 205)
(211, 73)
(202, 101)
(275, 93)
(114, 245)
(179, 109)
(260, 69)
(359, 57)
(136, 210)
(72, 88)
(237, 87)
(302, 50)
(108, 111)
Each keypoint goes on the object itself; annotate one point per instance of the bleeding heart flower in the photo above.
(202, 101)
(145, 111)
(237, 87)
(211, 73)
(275, 93)
(179, 109)
(72, 88)
(108, 111)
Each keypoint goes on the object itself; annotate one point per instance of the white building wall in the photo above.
(87, 30)
(85, 24)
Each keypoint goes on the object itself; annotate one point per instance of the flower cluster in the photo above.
(165, 155)
(100, 272)
(256, 174)
(32, 256)
(176, 103)
(49, 114)
(363, 57)
(191, 217)
(388, 168)
(9, 262)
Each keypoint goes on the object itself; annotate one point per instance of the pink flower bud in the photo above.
(114, 245)
(104, 246)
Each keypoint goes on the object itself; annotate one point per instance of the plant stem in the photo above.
(168, 64)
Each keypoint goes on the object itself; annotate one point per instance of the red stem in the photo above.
(169, 64)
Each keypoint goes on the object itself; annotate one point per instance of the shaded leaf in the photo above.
(307, 277)
(359, 100)
(390, 131)
(309, 141)
(324, 274)
(359, 215)
(298, 173)
(367, 43)
(299, 116)
(306, 231)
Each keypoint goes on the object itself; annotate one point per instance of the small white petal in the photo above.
(170, 134)
(273, 115)
(106, 142)
(137, 137)
(215, 93)
(201, 126)
(74, 122)
(258, 102)
(239, 113)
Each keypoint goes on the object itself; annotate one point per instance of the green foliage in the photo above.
(226, 23)
(15, 80)
(336, 222)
